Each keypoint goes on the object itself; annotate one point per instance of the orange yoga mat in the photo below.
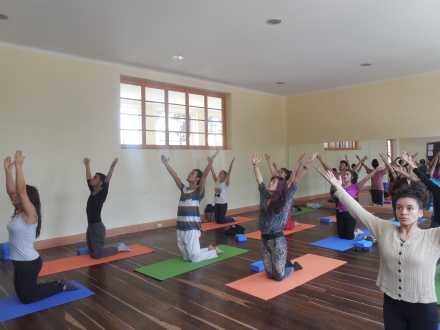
(363, 193)
(334, 217)
(63, 265)
(303, 226)
(260, 286)
(214, 225)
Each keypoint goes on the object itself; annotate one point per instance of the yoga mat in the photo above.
(437, 283)
(304, 210)
(63, 265)
(176, 266)
(260, 286)
(362, 193)
(339, 244)
(334, 217)
(11, 307)
(303, 226)
(214, 225)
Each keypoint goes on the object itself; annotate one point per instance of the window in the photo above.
(341, 145)
(390, 150)
(158, 115)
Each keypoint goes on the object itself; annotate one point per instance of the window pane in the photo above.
(131, 91)
(155, 138)
(154, 94)
(176, 97)
(215, 127)
(197, 113)
(130, 107)
(131, 122)
(214, 102)
(177, 138)
(214, 114)
(155, 123)
(215, 140)
(197, 139)
(196, 100)
(131, 137)
(197, 126)
(154, 109)
(176, 125)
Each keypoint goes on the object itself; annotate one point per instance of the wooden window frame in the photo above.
(355, 146)
(175, 88)
(390, 151)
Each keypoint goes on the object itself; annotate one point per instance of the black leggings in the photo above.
(376, 196)
(399, 314)
(345, 224)
(25, 282)
(220, 213)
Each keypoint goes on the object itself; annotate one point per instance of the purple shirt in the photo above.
(352, 191)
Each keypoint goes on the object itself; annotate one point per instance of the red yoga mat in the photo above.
(63, 265)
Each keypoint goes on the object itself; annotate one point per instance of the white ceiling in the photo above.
(318, 46)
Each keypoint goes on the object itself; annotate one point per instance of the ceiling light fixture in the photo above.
(366, 64)
(280, 83)
(3, 16)
(274, 21)
(177, 57)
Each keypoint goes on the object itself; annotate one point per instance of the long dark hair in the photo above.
(354, 176)
(278, 199)
(288, 172)
(34, 198)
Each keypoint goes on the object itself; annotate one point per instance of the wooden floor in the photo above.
(345, 298)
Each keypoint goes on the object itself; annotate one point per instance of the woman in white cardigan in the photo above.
(408, 257)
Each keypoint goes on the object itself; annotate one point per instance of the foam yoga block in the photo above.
(82, 251)
(326, 220)
(387, 202)
(240, 237)
(257, 266)
(364, 244)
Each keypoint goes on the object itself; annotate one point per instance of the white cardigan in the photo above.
(407, 270)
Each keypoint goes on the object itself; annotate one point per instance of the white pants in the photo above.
(189, 245)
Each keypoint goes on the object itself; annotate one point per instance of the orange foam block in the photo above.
(214, 225)
(66, 264)
(260, 286)
(303, 226)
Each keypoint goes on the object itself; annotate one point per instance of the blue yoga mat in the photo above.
(397, 223)
(11, 307)
(339, 244)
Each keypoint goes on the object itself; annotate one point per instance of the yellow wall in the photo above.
(403, 108)
(58, 110)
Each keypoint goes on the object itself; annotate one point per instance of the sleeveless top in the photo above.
(21, 239)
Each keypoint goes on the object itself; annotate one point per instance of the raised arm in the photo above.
(295, 171)
(214, 177)
(10, 184)
(273, 169)
(326, 167)
(229, 173)
(361, 163)
(257, 172)
(110, 172)
(300, 175)
(171, 171)
(86, 162)
(30, 213)
(205, 173)
(362, 183)
(400, 170)
(433, 164)
(388, 166)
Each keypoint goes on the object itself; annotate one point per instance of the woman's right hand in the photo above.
(9, 164)
(255, 159)
(18, 158)
(330, 177)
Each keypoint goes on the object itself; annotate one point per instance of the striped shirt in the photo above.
(188, 214)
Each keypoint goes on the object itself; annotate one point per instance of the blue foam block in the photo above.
(339, 244)
(4, 256)
(240, 237)
(257, 266)
(11, 307)
(5, 250)
(4, 246)
(387, 202)
(81, 251)
(364, 244)
(327, 220)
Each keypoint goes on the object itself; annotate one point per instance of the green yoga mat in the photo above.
(304, 210)
(176, 266)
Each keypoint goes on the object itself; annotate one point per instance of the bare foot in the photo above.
(210, 248)
(218, 250)
(357, 232)
(296, 224)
